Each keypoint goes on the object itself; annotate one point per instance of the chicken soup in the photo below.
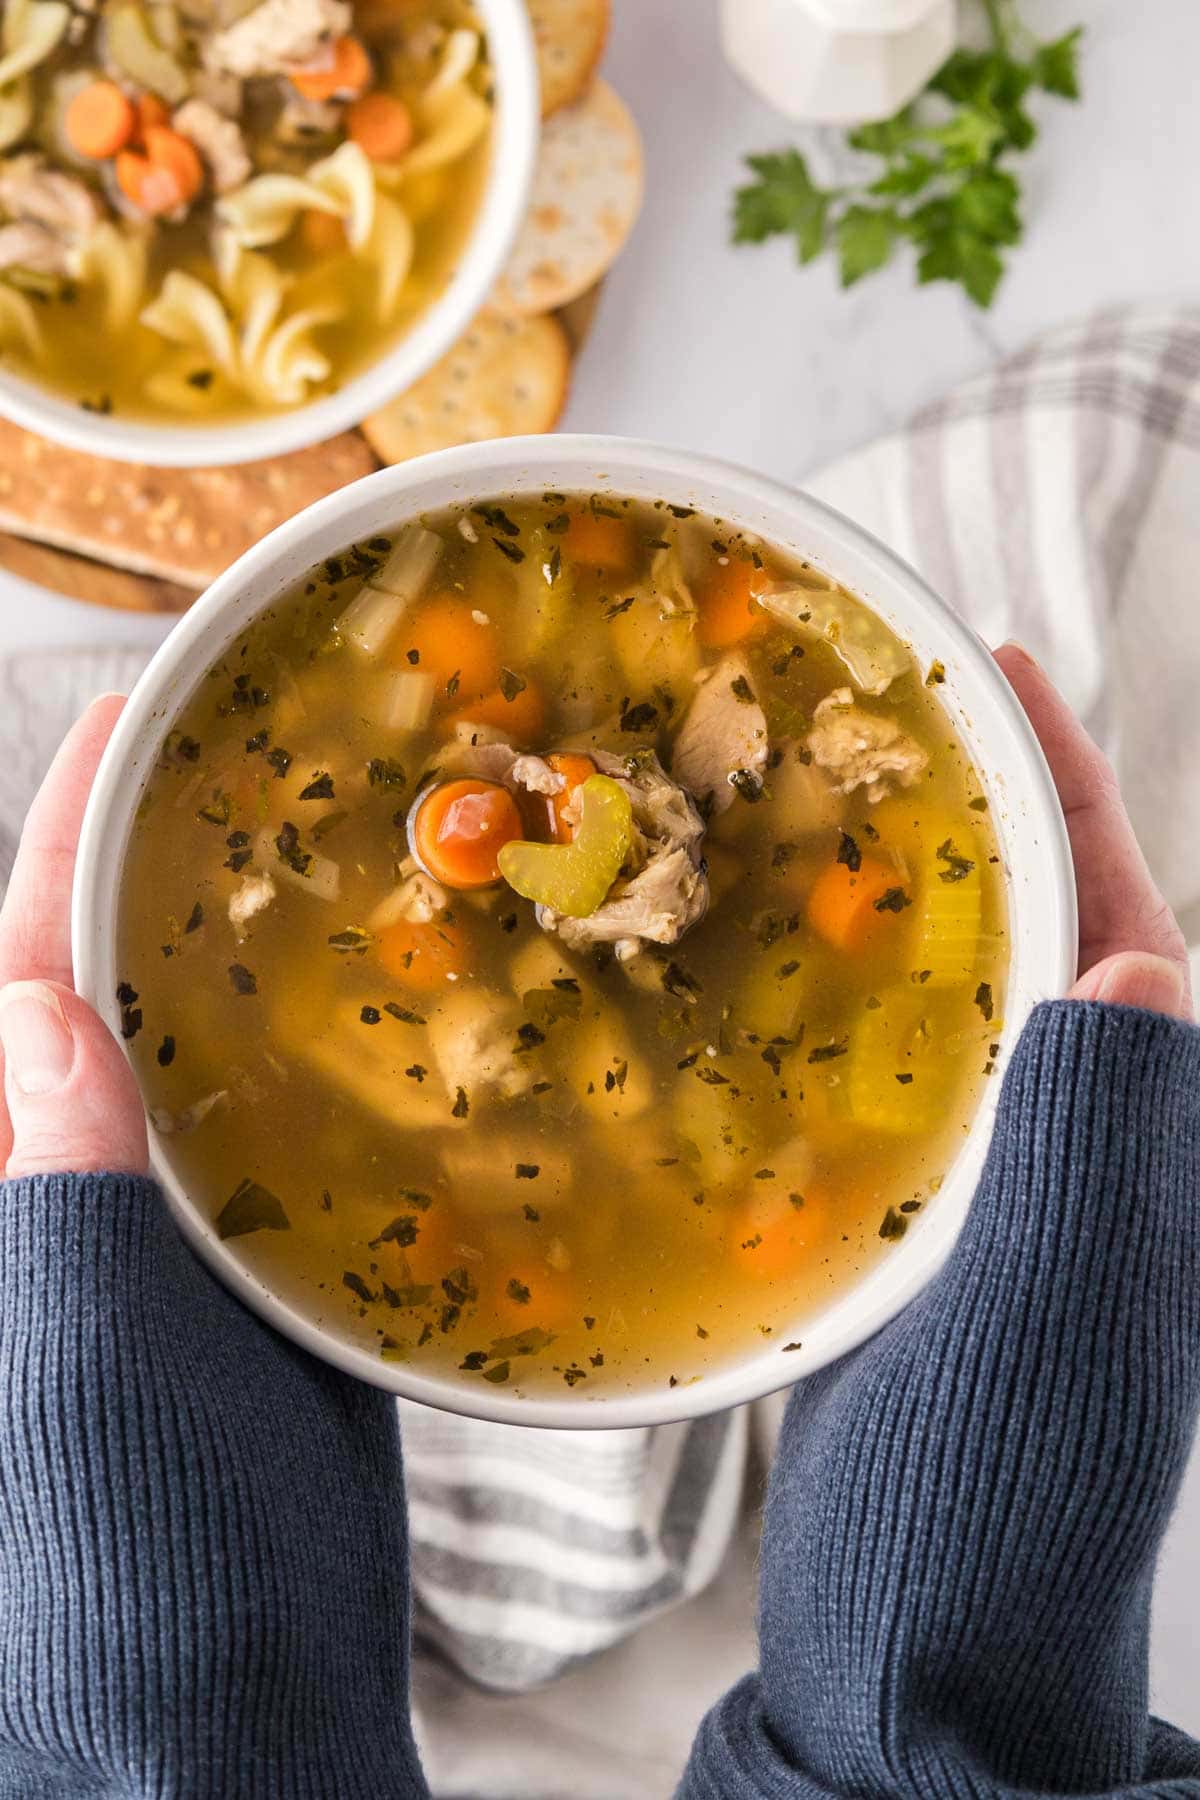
(563, 942)
(210, 208)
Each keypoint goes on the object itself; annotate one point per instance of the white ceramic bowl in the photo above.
(1025, 812)
(514, 150)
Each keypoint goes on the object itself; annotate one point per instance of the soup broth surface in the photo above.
(532, 1147)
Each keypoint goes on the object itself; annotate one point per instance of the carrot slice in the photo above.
(531, 1294)
(447, 640)
(844, 906)
(323, 233)
(152, 191)
(771, 1236)
(726, 605)
(166, 178)
(99, 120)
(424, 956)
(458, 828)
(521, 717)
(575, 770)
(381, 126)
(151, 111)
(169, 149)
(347, 72)
(599, 542)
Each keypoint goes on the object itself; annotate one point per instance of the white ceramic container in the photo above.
(514, 150)
(1024, 809)
(838, 62)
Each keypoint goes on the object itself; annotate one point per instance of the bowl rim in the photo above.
(501, 213)
(1046, 938)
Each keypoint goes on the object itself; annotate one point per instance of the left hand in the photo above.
(70, 1103)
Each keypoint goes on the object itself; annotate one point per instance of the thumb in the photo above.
(72, 1100)
(1135, 978)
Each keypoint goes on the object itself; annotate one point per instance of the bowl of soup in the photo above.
(230, 228)
(569, 905)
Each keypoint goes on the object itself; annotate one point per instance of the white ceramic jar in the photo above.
(838, 62)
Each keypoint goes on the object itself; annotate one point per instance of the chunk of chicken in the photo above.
(500, 1173)
(419, 899)
(253, 896)
(26, 245)
(31, 189)
(277, 36)
(474, 1041)
(665, 891)
(219, 141)
(723, 735)
(862, 749)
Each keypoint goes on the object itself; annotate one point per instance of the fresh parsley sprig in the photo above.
(943, 187)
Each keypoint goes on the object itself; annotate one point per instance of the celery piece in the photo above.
(575, 878)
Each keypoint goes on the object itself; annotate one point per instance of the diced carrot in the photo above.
(844, 904)
(521, 717)
(99, 120)
(774, 1234)
(152, 191)
(599, 542)
(381, 126)
(323, 233)
(447, 641)
(166, 178)
(424, 956)
(151, 112)
(575, 770)
(727, 609)
(169, 149)
(348, 71)
(458, 829)
(529, 1293)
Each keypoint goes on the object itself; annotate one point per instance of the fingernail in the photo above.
(39, 1048)
(1146, 981)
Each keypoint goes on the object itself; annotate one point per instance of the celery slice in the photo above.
(575, 878)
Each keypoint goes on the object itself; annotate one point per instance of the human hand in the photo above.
(1131, 950)
(69, 1102)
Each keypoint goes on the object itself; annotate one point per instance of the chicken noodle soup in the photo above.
(563, 942)
(210, 208)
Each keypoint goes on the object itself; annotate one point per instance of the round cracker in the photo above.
(587, 190)
(569, 36)
(505, 377)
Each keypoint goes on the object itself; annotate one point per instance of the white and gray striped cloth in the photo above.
(1057, 500)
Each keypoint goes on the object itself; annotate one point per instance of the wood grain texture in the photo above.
(181, 525)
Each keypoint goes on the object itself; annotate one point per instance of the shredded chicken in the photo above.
(665, 891)
(56, 211)
(536, 776)
(29, 246)
(723, 736)
(862, 749)
(219, 141)
(474, 1041)
(277, 36)
(419, 899)
(253, 896)
(167, 1123)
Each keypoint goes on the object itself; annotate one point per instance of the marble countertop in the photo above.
(740, 353)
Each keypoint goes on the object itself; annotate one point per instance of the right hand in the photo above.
(1131, 950)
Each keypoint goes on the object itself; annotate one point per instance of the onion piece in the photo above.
(375, 612)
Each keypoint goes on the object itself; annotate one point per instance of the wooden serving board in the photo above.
(96, 583)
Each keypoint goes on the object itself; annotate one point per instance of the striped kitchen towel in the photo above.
(1055, 499)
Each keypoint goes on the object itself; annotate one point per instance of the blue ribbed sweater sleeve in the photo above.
(203, 1554)
(963, 1519)
(203, 1582)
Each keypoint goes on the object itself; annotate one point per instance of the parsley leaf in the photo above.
(943, 185)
